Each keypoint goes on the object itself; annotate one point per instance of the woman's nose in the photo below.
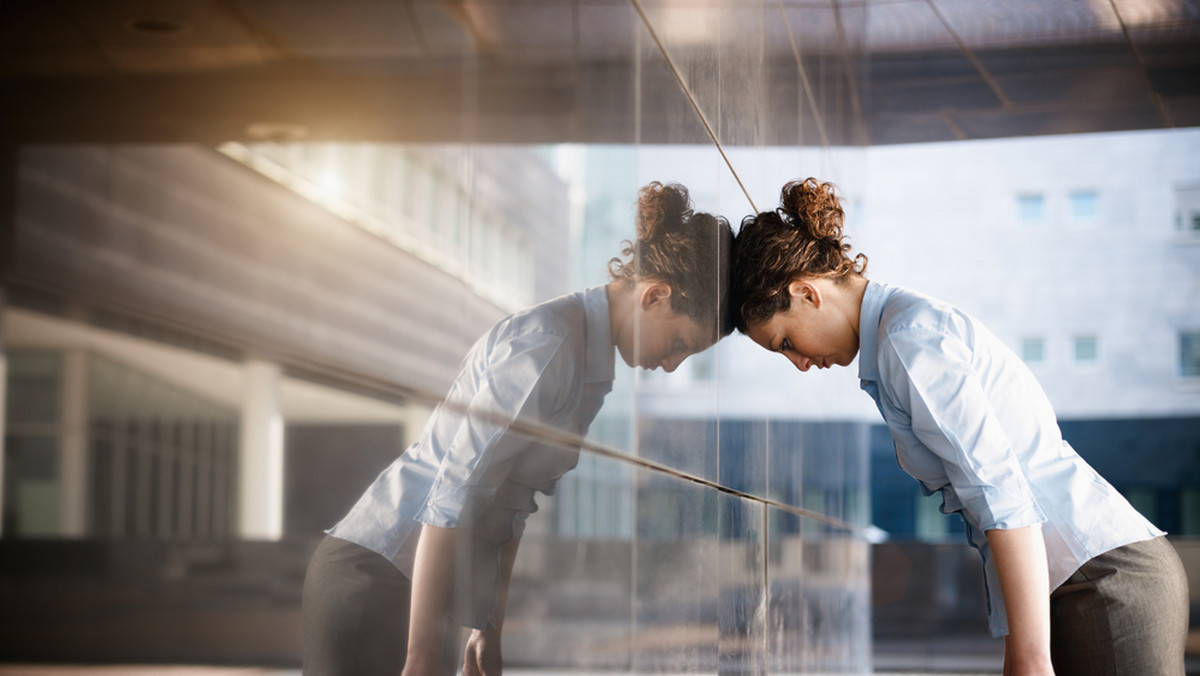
(671, 363)
(801, 362)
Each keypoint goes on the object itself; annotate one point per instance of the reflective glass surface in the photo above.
(217, 351)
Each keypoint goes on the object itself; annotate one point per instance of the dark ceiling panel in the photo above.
(970, 93)
(567, 71)
(357, 30)
(1069, 121)
(1184, 111)
(1076, 87)
(911, 129)
(515, 30)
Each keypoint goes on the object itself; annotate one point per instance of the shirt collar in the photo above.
(869, 317)
(600, 357)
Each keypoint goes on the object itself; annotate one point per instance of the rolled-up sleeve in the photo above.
(930, 376)
(523, 377)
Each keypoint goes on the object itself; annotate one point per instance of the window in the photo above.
(1031, 207)
(1187, 210)
(1086, 349)
(1189, 511)
(1144, 500)
(1189, 354)
(1033, 350)
(34, 427)
(931, 524)
(1084, 205)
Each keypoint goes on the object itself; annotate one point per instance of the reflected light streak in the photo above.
(691, 26)
(342, 207)
(1112, 14)
(329, 180)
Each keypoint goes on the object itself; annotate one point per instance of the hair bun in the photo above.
(660, 204)
(812, 206)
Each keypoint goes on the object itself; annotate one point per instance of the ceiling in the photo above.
(762, 72)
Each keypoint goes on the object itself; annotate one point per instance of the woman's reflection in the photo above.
(448, 514)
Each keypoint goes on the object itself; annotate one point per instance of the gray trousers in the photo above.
(355, 611)
(1123, 613)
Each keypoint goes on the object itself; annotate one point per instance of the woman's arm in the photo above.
(1020, 557)
(483, 656)
(433, 576)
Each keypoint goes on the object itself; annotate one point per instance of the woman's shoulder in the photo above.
(906, 308)
(913, 317)
(560, 320)
(558, 316)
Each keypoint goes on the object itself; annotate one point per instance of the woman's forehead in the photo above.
(763, 332)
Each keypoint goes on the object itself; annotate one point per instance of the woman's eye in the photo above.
(680, 346)
(784, 345)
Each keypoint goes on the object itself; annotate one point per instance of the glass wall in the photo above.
(689, 535)
(217, 351)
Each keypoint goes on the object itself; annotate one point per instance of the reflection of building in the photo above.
(204, 346)
(176, 277)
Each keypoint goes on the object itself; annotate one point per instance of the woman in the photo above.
(969, 420)
(447, 515)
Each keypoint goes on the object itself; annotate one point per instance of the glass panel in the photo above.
(1144, 500)
(1086, 349)
(151, 445)
(1083, 205)
(31, 443)
(31, 486)
(1033, 350)
(717, 518)
(1187, 209)
(34, 384)
(1031, 208)
(1189, 354)
(1190, 510)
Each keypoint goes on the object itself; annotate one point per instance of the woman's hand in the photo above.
(1039, 665)
(483, 653)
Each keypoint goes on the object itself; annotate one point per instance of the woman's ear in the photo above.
(654, 293)
(805, 292)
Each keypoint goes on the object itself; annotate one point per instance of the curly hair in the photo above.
(801, 239)
(687, 250)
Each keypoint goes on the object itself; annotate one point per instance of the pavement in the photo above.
(151, 670)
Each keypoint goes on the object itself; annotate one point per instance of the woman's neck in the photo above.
(847, 297)
(620, 305)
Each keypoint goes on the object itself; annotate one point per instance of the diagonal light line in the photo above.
(696, 106)
(844, 48)
(1163, 115)
(808, 92)
(568, 441)
(970, 54)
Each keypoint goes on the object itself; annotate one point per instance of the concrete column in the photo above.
(260, 463)
(73, 446)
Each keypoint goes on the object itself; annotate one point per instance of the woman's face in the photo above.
(810, 332)
(658, 336)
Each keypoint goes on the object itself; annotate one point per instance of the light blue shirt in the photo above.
(551, 364)
(970, 421)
